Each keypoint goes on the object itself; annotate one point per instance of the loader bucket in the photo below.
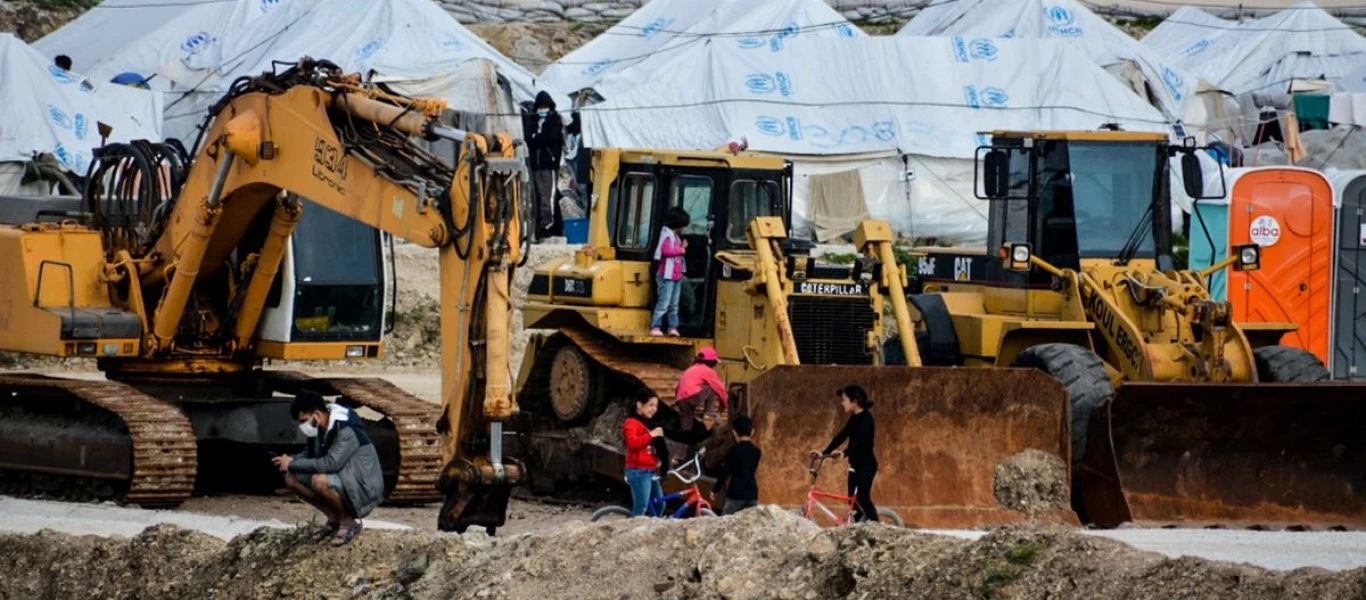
(1232, 455)
(940, 432)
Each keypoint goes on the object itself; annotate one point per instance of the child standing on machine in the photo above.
(670, 253)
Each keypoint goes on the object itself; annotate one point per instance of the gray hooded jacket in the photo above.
(345, 450)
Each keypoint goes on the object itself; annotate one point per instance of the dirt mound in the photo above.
(1031, 481)
(760, 553)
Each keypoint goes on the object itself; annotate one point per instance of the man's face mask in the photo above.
(308, 428)
(543, 111)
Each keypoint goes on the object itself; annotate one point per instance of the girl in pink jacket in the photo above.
(669, 253)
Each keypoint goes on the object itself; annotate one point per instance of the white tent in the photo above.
(1167, 87)
(413, 44)
(45, 110)
(1182, 31)
(1267, 56)
(662, 30)
(93, 38)
(864, 103)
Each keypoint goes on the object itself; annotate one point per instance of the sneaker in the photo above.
(656, 332)
(674, 333)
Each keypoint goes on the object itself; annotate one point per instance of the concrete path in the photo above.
(32, 516)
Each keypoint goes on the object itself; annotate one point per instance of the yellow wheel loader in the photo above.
(789, 328)
(167, 267)
(1178, 414)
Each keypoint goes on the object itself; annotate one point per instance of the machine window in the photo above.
(337, 277)
(693, 194)
(1112, 187)
(635, 211)
(750, 199)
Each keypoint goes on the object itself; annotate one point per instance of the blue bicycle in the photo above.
(693, 501)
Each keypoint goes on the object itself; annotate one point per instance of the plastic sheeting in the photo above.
(1175, 34)
(197, 54)
(44, 109)
(927, 96)
(105, 30)
(923, 197)
(661, 30)
(1264, 55)
(1170, 87)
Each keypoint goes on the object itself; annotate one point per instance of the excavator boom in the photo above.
(197, 288)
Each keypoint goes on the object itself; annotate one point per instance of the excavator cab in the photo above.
(1173, 405)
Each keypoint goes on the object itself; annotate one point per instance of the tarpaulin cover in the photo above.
(197, 54)
(932, 96)
(44, 109)
(661, 30)
(1262, 55)
(1171, 87)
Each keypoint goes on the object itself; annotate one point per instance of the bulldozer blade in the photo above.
(1228, 455)
(941, 432)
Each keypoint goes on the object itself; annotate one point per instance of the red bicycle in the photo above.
(815, 496)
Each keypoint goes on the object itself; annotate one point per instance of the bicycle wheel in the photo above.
(887, 515)
(610, 512)
(703, 511)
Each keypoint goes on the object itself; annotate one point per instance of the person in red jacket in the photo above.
(700, 392)
(642, 466)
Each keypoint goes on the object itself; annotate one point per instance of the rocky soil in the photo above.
(760, 553)
(1031, 481)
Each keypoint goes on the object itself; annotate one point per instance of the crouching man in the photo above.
(338, 472)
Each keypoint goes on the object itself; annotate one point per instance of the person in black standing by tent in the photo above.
(546, 144)
(858, 431)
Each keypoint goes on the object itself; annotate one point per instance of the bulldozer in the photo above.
(168, 272)
(1178, 414)
(789, 327)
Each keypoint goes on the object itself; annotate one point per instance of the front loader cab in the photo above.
(1082, 196)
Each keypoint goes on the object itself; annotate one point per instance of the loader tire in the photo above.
(1283, 364)
(1088, 386)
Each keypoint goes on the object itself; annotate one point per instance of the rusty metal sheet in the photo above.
(940, 434)
(1233, 455)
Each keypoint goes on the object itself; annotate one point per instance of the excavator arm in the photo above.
(313, 132)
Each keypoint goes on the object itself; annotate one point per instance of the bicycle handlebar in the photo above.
(695, 463)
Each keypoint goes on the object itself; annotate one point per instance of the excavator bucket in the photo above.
(1228, 455)
(940, 435)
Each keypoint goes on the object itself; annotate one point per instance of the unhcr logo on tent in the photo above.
(197, 42)
(845, 30)
(1197, 47)
(654, 27)
(82, 126)
(774, 43)
(980, 49)
(61, 75)
(268, 5)
(59, 117)
(452, 43)
(365, 52)
(1174, 81)
(598, 67)
(1062, 22)
(988, 97)
(763, 83)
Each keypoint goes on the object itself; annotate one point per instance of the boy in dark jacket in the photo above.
(738, 468)
(546, 144)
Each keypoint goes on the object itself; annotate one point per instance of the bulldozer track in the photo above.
(614, 356)
(163, 442)
(414, 419)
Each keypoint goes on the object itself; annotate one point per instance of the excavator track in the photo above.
(419, 445)
(161, 468)
(614, 356)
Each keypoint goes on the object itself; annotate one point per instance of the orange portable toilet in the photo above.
(1289, 212)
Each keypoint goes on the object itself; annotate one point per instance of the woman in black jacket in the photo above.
(858, 431)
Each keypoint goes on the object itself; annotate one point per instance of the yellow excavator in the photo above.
(789, 327)
(166, 268)
(1179, 415)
